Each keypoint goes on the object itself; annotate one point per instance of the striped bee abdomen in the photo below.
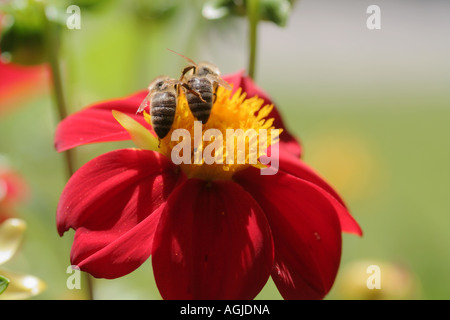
(162, 112)
(200, 109)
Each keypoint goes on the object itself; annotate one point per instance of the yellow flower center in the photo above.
(236, 135)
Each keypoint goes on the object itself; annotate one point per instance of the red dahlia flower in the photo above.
(214, 231)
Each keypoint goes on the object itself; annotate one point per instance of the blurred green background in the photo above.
(371, 107)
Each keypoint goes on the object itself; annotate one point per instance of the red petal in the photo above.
(213, 242)
(299, 169)
(114, 203)
(306, 232)
(97, 124)
(287, 141)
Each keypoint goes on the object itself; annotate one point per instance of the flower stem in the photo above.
(53, 36)
(61, 107)
(253, 19)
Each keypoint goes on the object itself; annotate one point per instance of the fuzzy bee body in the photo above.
(198, 81)
(163, 100)
(200, 109)
(162, 111)
(203, 79)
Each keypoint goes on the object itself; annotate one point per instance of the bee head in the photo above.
(205, 68)
(159, 84)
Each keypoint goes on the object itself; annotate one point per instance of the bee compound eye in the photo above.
(160, 84)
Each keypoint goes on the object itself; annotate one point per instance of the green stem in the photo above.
(253, 19)
(53, 37)
(61, 107)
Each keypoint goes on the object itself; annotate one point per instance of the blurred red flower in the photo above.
(13, 190)
(19, 83)
(209, 238)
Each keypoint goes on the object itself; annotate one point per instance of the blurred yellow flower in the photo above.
(376, 280)
(18, 286)
(349, 162)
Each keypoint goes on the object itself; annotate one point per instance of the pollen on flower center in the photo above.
(236, 135)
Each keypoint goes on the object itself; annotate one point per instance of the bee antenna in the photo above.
(186, 58)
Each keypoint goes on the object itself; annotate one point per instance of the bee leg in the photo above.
(159, 143)
(195, 93)
(215, 87)
(186, 70)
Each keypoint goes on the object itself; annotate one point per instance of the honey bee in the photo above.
(204, 79)
(163, 99)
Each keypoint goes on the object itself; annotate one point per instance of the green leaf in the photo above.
(217, 9)
(276, 11)
(21, 286)
(155, 9)
(23, 33)
(4, 282)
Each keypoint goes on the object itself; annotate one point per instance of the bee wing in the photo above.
(144, 103)
(220, 81)
(224, 84)
(190, 61)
